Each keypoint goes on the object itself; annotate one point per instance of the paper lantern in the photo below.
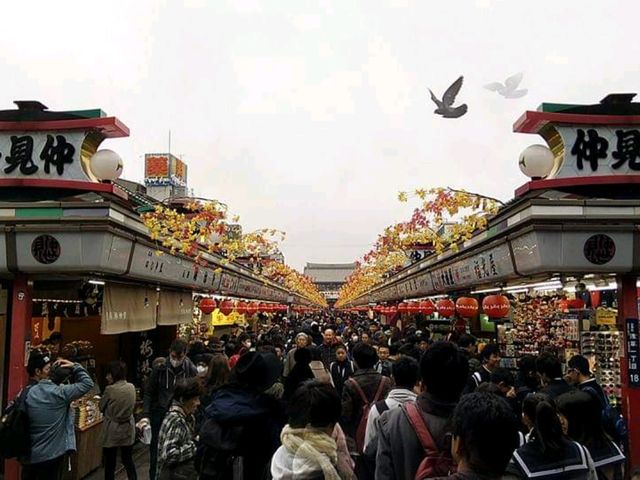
(595, 297)
(414, 307)
(392, 310)
(536, 161)
(207, 305)
(252, 308)
(563, 305)
(467, 307)
(427, 307)
(496, 306)
(403, 307)
(226, 307)
(446, 308)
(263, 307)
(378, 308)
(241, 308)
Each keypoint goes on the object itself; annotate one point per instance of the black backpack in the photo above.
(15, 440)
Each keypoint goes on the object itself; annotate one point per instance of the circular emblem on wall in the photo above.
(599, 249)
(45, 249)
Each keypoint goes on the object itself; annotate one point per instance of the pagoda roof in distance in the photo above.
(329, 272)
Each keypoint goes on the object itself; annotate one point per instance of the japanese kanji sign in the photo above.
(599, 150)
(633, 351)
(42, 155)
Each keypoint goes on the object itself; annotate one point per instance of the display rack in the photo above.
(604, 349)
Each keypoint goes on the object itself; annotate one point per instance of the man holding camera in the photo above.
(50, 419)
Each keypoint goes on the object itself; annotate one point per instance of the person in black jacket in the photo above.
(550, 370)
(158, 394)
(342, 369)
(579, 375)
(490, 357)
(300, 373)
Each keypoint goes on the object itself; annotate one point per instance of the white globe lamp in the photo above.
(536, 161)
(106, 165)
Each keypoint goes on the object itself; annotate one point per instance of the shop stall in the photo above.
(565, 250)
(79, 272)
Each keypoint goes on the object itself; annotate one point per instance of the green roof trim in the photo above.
(92, 113)
(39, 212)
(556, 107)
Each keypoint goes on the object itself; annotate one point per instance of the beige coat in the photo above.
(117, 404)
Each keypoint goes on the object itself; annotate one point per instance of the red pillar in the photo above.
(19, 333)
(628, 308)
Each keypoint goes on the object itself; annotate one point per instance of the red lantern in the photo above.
(264, 308)
(467, 307)
(378, 308)
(403, 307)
(446, 308)
(282, 308)
(414, 307)
(252, 308)
(496, 306)
(241, 308)
(563, 305)
(595, 298)
(207, 305)
(226, 307)
(392, 310)
(427, 307)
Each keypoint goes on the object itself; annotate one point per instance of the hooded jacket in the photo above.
(241, 430)
(159, 392)
(396, 397)
(399, 460)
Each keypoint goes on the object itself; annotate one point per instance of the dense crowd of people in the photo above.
(323, 397)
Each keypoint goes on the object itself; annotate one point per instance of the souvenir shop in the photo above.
(557, 267)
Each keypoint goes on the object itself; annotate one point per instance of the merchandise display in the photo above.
(86, 412)
(604, 349)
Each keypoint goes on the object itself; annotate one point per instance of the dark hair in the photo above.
(547, 429)
(316, 354)
(488, 432)
(580, 363)
(55, 337)
(302, 356)
(314, 403)
(549, 365)
(195, 349)
(218, 372)
(117, 369)
(394, 348)
(488, 387)
(384, 345)
(178, 346)
(230, 349)
(488, 350)
(405, 372)
(410, 350)
(527, 373)
(583, 412)
(502, 375)
(365, 355)
(444, 370)
(187, 388)
(341, 346)
(466, 340)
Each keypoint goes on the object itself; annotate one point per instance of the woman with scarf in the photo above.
(176, 444)
(309, 448)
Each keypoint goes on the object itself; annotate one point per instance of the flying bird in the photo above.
(510, 87)
(445, 106)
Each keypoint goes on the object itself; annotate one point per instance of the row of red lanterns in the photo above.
(495, 306)
(208, 305)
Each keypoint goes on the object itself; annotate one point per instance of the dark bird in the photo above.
(445, 106)
(510, 87)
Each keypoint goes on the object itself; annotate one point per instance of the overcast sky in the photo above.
(308, 116)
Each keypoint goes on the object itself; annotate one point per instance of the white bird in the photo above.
(510, 87)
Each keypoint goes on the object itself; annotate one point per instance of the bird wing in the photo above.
(513, 81)
(450, 95)
(435, 99)
(517, 93)
(495, 87)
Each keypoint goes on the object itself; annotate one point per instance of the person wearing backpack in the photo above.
(359, 393)
(490, 357)
(484, 435)
(50, 419)
(242, 424)
(413, 439)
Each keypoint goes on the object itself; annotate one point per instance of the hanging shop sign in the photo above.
(597, 151)
(633, 351)
(164, 169)
(484, 267)
(605, 316)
